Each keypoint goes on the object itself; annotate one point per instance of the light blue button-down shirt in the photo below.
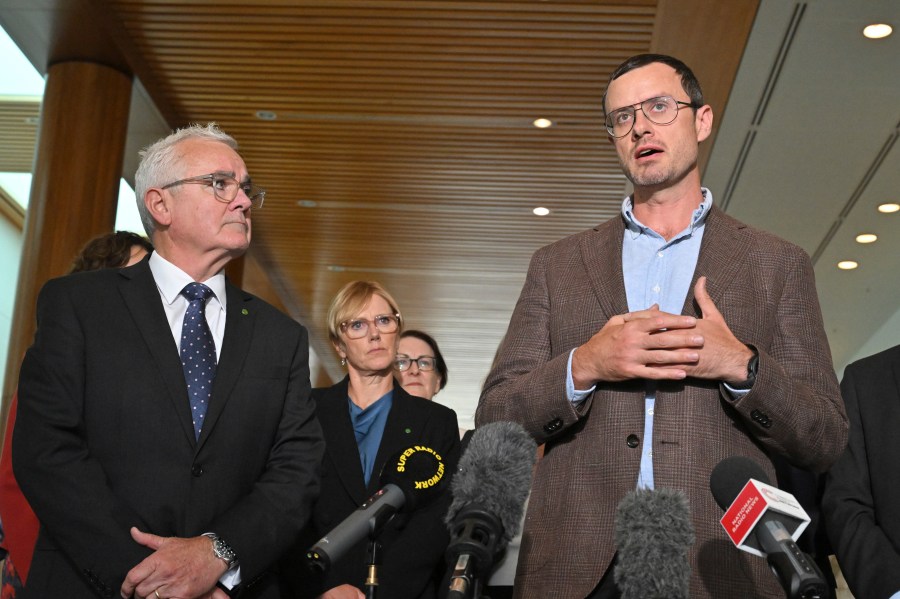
(656, 271)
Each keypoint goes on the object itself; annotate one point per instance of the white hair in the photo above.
(160, 163)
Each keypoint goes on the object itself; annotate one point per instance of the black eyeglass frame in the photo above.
(410, 360)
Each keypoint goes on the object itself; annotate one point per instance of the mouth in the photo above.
(646, 152)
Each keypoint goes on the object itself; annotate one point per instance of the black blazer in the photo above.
(862, 490)
(413, 545)
(103, 438)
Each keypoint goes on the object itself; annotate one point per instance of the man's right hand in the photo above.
(345, 591)
(648, 344)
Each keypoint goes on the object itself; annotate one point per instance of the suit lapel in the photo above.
(141, 296)
(722, 252)
(240, 318)
(334, 416)
(402, 418)
(601, 250)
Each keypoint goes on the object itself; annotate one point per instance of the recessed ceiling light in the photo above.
(542, 123)
(541, 211)
(847, 264)
(866, 238)
(889, 207)
(307, 203)
(266, 115)
(876, 31)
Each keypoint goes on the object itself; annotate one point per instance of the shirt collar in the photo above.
(697, 219)
(170, 280)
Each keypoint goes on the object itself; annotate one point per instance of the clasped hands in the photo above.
(651, 344)
(177, 569)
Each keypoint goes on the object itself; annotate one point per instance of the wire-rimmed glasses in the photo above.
(225, 187)
(661, 110)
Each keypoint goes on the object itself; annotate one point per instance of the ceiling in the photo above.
(402, 147)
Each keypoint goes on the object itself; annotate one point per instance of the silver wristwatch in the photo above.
(222, 549)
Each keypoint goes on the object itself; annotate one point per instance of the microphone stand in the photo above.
(374, 559)
(376, 524)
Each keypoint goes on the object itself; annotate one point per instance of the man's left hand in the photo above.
(723, 357)
(178, 568)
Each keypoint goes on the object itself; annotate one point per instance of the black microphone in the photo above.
(653, 533)
(409, 480)
(796, 572)
(489, 493)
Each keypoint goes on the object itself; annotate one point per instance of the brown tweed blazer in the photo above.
(765, 289)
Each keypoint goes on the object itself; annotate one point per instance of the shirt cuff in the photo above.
(575, 396)
(736, 394)
(232, 577)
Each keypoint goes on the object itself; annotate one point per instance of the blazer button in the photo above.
(197, 470)
(553, 426)
(632, 441)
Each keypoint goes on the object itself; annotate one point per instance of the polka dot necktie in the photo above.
(198, 352)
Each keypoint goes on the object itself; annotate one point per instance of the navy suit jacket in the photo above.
(413, 544)
(104, 440)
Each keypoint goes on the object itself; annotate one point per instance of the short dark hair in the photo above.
(688, 80)
(111, 250)
(439, 363)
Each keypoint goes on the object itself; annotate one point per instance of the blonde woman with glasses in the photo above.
(366, 418)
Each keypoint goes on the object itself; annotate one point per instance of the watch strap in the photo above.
(752, 369)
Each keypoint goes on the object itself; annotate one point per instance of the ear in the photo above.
(340, 348)
(703, 122)
(157, 205)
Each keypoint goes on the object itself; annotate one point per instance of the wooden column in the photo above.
(74, 189)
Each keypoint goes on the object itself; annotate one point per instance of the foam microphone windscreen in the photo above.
(653, 534)
(495, 475)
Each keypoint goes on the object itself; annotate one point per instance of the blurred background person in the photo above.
(20, 525)
(420, 366)
(862, 489)
(366, 419)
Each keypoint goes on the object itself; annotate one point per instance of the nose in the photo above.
(241, 201)
(641, 123)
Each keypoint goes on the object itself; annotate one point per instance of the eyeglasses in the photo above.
(661, 110)
(358, 328)
(225, 187)
(425, 363)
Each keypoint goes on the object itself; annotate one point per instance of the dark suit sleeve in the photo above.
(65, 485)
(264, 523)
(411, 559)
(869, 559)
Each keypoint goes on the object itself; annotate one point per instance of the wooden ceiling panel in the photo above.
(402, 147)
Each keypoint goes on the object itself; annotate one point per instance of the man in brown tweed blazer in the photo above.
(649, 348)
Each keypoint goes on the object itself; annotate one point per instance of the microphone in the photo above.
(766, 521)
(410, 479)
(653, 533)
(489, 493)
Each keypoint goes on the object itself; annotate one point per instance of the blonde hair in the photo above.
(350, 301)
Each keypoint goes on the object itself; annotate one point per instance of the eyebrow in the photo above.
(245, 181)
